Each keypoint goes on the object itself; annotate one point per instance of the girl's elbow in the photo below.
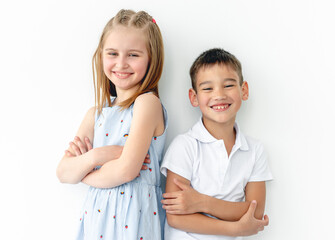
(128, 173)
(63, 178)
(60, 175)
(130, 176)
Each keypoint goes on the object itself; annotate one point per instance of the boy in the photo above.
(215, 175)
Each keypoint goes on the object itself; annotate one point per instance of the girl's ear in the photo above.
(192, 95)
(245, 91)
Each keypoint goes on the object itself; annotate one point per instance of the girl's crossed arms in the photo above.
(80, 159)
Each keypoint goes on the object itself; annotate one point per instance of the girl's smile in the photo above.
(122, 75)
(125, 59)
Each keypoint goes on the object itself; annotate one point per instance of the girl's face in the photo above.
(125, 58)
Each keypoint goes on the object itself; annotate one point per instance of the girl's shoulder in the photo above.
(91, 112)
(147, 99)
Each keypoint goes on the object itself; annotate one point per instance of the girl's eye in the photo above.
(112, 53)
(133, 55)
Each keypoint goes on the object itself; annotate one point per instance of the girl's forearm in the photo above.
(199, 223)
(111, 174)
(74, 169)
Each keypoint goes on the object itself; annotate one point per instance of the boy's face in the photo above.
(219, 94)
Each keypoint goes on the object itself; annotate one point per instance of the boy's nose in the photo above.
(220, 94)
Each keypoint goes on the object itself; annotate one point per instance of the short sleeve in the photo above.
(261, 170)
(179, 157)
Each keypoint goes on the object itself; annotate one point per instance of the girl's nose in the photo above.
(122, 62)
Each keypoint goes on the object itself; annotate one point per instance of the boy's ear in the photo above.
(245, 91)
(192, 95)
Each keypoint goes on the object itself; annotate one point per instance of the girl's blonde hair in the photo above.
(103, 87)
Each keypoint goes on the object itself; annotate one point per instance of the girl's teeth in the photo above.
(122, 74)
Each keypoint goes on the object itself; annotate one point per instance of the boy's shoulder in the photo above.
(252, 142)
(184, 140)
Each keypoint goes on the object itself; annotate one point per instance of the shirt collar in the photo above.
(199, 132)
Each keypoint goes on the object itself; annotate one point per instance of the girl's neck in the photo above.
(123, 94)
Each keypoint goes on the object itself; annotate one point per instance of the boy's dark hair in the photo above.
(215, 56)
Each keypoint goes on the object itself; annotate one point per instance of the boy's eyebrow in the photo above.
(224, 80)
(205, 82)
(230, 80)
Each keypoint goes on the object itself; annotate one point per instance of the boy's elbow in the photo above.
(259, 214)
(172, 220)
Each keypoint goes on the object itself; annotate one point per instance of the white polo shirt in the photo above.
(203, 160)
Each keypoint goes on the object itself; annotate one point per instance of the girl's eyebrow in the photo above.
(135, 50)
(130, 50)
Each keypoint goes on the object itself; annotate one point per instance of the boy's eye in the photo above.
(228, 86)
(207, 89)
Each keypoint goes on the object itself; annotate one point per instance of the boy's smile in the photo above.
(219, 94)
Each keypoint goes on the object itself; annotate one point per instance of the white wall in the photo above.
(286, 48)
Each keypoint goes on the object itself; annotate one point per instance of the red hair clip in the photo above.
(153, 20)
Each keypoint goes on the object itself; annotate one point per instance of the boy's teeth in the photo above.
(220, 107)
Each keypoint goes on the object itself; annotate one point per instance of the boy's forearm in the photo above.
(199, 223)
(225, 210)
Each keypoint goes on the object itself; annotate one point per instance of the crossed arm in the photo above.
(127, 161)
(184, 206)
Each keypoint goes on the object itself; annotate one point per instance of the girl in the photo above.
(121, 203)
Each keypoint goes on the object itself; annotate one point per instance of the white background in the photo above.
(286, 48)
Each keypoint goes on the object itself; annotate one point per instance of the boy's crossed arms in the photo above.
(184, 207)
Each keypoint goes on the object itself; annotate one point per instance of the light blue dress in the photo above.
(131, 211)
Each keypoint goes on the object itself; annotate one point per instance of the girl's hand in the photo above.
(146, 161)
(186, 201)
(248, 224)
(79, 147)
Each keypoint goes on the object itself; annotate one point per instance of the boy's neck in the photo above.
(224, 131)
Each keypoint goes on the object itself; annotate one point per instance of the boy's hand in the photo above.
(248, 224)
(186, 201)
